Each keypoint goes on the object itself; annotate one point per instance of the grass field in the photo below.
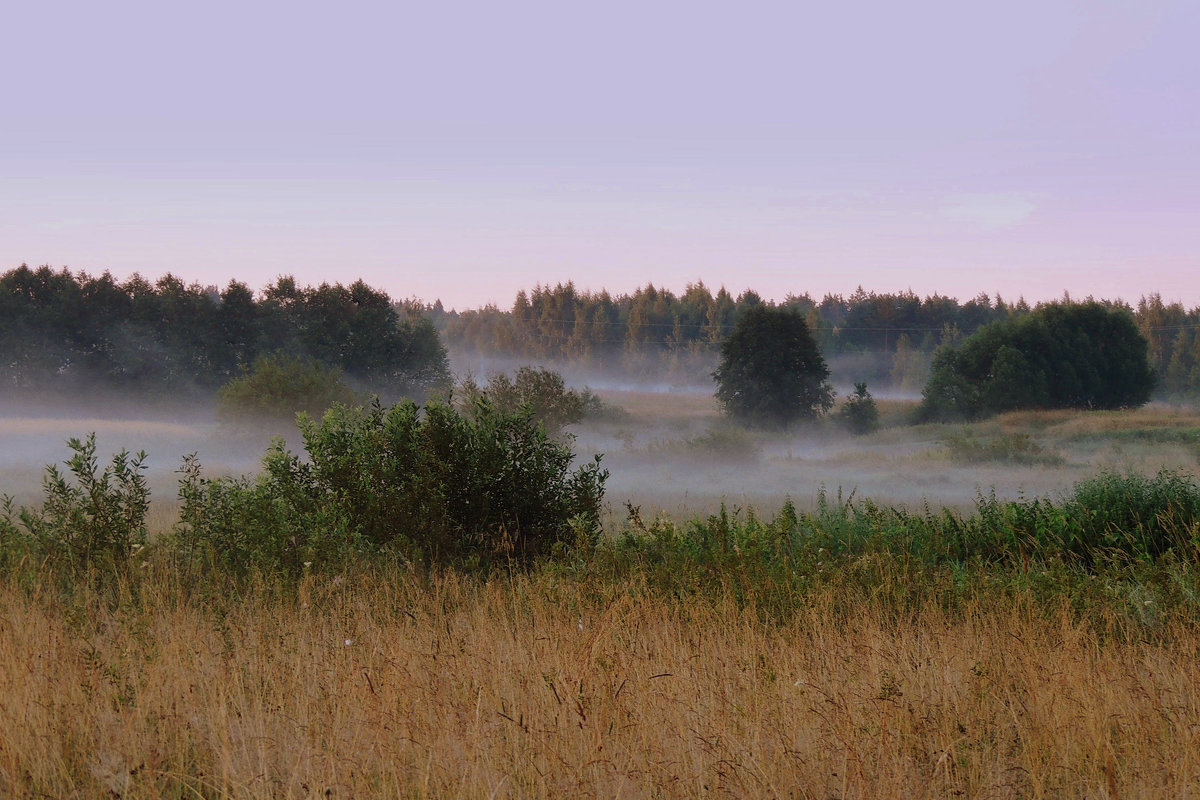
(530, 686)
(681, 656)
(674, 455)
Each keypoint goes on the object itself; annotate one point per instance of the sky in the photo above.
(463, 151)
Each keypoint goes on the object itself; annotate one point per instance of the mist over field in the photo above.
(664, 441)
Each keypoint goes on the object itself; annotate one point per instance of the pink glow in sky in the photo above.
(464, 151)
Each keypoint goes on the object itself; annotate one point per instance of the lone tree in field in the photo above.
(771, 371)
(859, 414)
(1062, 355)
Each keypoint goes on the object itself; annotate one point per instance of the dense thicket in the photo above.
(64, 330)
(771, 370)
(541, 390)
(1062, 355)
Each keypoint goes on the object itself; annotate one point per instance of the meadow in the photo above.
(535, 686)
(893, 630)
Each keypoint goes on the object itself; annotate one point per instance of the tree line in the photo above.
(69, 330)
(73, 331)
(1086, 355)
(900, 331)
(563, 322)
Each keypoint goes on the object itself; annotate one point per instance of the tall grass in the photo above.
(1029, 648)
(528, 685)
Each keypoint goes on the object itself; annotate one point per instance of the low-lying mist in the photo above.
(669, 450)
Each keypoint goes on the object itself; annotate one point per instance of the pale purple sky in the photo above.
(463, 151)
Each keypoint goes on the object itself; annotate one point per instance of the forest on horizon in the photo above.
(61, 329)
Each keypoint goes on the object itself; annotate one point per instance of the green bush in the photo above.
(1063, 355)
(279, 387)
(99, 518)
(429, 485)
(1135, 514)
(542, 390)
(859, 414)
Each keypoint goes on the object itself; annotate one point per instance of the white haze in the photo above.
(668, 451)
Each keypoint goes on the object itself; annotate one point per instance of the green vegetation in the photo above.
(561, 322)
(1112, 521)
(424, 485)
(771, 371)
(859, 414)
(428, 485)
(1063, 355)
(434, 487)
(729, 443)
(539, 389)
(61, 330)
(70, 332)
(277, 387)
(95, 520)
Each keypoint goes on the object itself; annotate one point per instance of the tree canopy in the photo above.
(1062, 355)
(67, 331)
(771, 370)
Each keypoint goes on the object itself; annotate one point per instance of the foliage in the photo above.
(63, 330)
(859, 414)
(1063, 355)
(771, 371)
(1109, 522)
(428, 485)
(540, 389)
(279, 387)
(1135, 514)
(563, 322)
(98, 519)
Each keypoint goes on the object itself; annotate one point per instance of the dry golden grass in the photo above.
(536, 687)
(1072, 423)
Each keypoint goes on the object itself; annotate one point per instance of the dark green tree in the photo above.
(859, 413)
(1062, 355)
(771, 371)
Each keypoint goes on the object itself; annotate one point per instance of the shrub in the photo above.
(430, 485)
(859, 414)
(98, 518)
(542, 390)
(280, 386)
(1135, 514)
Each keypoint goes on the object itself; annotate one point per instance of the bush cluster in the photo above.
(539, 389)
(95, 518)
(426, 485)
(1062, 355)
(430, 485)
(279, 386)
